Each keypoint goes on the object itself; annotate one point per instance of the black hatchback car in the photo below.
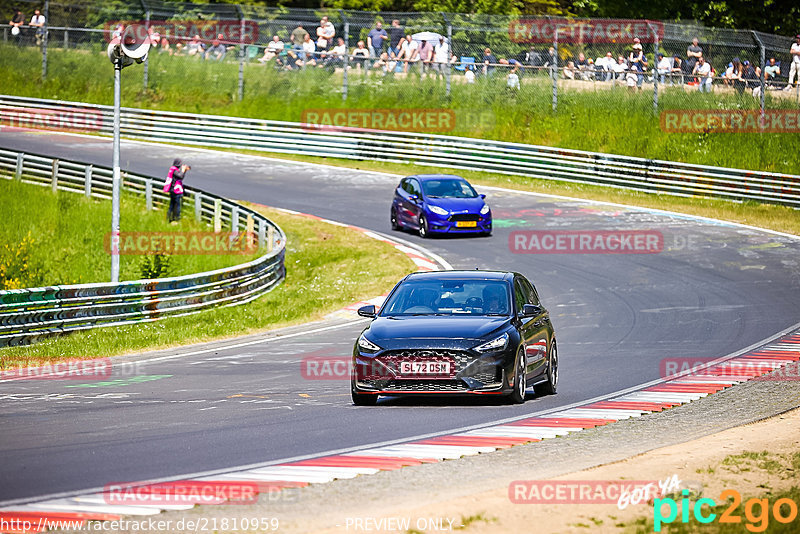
(456, 332)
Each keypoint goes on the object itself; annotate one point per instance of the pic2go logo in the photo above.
(756, 511)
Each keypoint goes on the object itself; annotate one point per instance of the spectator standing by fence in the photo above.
(409, 52)
(693, 53)
(489, 62)
(37, 22)
(375, 39)
(16, 23)
(638, 63)
(176, 192)
(325, 34)
(395, 38)
(297, 37)
(794, 70)
(441, 57)
(426, 55)
(702, 70)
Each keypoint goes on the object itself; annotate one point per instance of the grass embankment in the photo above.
(613, 121)
(56, 239)
(328, 267)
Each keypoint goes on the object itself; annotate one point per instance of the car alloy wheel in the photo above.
(520, 382)
(395, 225)
(423, 226)
(551, 385)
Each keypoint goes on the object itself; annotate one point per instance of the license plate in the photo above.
(425, 368)
(466, 224)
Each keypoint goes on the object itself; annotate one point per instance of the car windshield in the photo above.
(449, 297)
(448, 188)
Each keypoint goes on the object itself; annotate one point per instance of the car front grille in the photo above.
(383, 372)
(462, 217)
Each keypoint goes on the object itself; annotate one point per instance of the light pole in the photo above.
(132, 45)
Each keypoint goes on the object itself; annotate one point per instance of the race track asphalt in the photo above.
(713, 289)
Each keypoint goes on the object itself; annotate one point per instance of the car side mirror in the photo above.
(483, 195)
(531, 310)
(413, 197)
(367, 311)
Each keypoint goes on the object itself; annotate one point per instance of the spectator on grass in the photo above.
(154, 37)
(794, 70)
(619, 68)
(426, 56)
(512, 81)
(569, 70)
(771, 71)
(638, 63)
(469, 74)
(603, 66)
(37, 21)
(752, 78)
(693, 53)
(441, 57)
(16, 23)
(164, 46)
(677, 70)
(584, 67)
(176, 192)
(489, 61)
(216, 51)
(360, 55)
(663, 67)
(297, 37)
(409, 52)
(195, 47)
(325, 34)
(375, 39)
(734, 75)
(702, 71)
(335, 56)
(309, 51)
(395, 38)
(274, 48)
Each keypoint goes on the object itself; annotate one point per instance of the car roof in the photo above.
(461, 275)
(426, 177)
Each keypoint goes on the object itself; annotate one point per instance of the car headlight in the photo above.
(485, 209)
(366, 345)
(495, 344)
(439, 211)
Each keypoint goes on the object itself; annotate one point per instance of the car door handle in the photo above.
(538, 323)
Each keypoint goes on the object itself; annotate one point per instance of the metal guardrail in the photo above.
(653, 176)
(30, 315)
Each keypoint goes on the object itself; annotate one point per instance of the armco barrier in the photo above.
(654, 176)
(29, 315)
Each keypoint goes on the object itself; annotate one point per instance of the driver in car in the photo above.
(493, 299)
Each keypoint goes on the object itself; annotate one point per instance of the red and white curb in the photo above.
(654, 397)
(424, 259)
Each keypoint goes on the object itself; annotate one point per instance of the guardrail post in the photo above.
(148, 194)
(54, 176)
(655, 68)
(87, 181)
(217, 216)
(262, 233)
(66, 39)
(235, 220)
(198, 206)
(20, 163)
(346, 54)
(270, 238)
(762, 58)
(249, 231)
(44, 38)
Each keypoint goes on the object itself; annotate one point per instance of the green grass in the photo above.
(328, 267)
(613, 121)
(61, 241)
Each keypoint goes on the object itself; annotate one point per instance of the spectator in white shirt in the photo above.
(441, 56)
(619, 69)
(309, 50)
(702, 70)
(794, 70)
(325, 34)
(37, 21)
(274, 48)
(469, 75)
(663, 67)
(409, 52)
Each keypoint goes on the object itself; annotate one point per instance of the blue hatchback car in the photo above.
(440, 203)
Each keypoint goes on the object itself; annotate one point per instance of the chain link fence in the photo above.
(465, 61)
